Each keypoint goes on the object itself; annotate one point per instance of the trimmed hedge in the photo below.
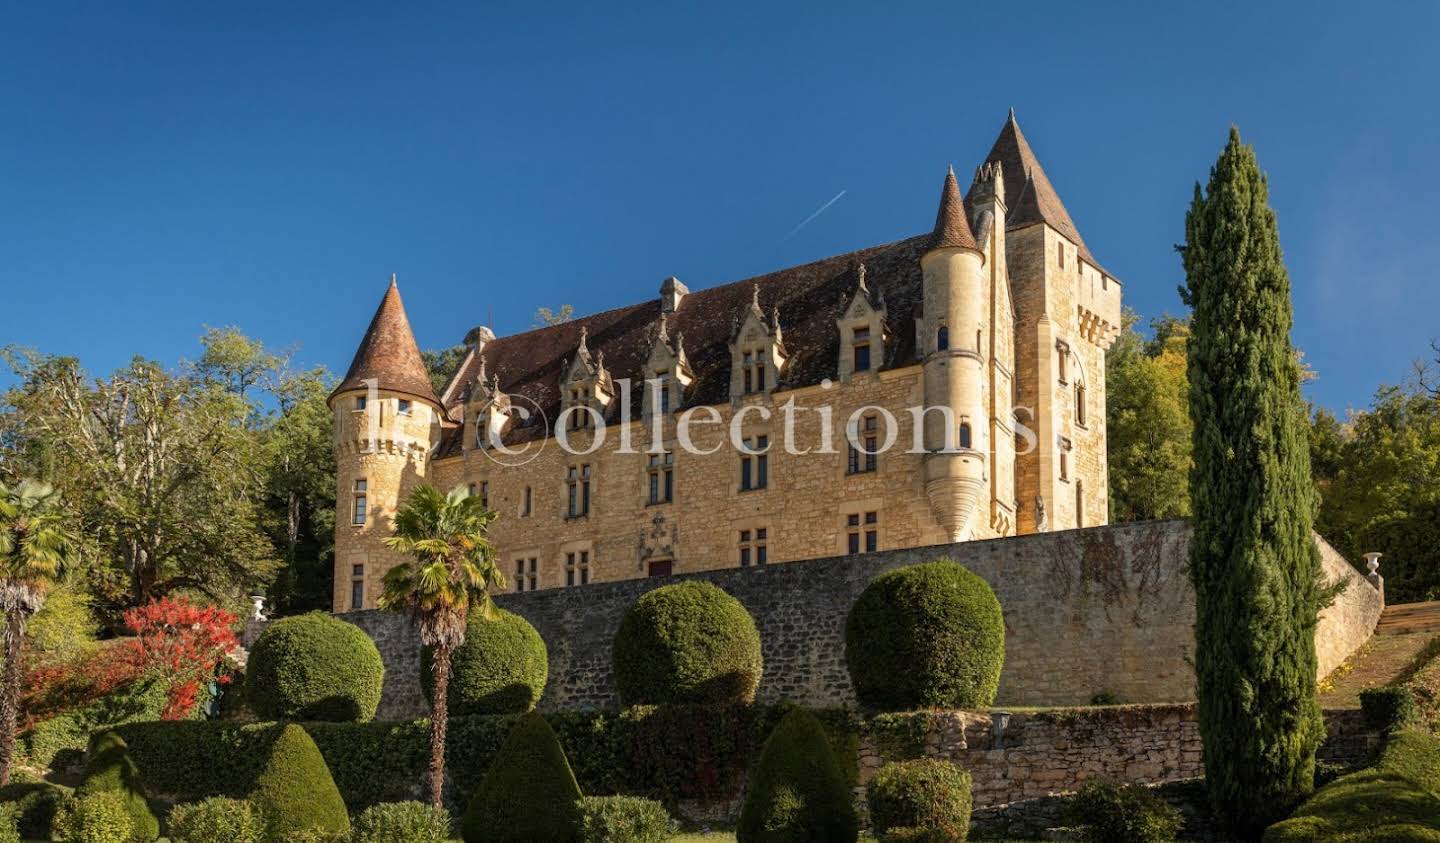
(109, 769)
(214, 820)
(95, 818)
(926, 636)
(314, 667)
(528, 794)
(1397, 799)
(9, 824)
(294, 791)
(689, 642)
(623, 819)
(60, 741)
(1108, 811)
(401, 822)
(797, 793)
(500, 669)
(35, 805)
(923, 794)
(1388, 709)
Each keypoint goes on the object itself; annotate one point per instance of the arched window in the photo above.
(965, 434)
(942, 339)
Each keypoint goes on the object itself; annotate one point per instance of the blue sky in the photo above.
(165, 166)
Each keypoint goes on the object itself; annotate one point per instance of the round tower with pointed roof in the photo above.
(387, 423)
(954, 321)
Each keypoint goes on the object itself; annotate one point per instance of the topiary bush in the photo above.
(1110, 812)
(926, 636)
(687, 643)
(797, 792)
(623, 819)
(529, 792)
(500, 669)
(9, 824)
(294, 791)
(94, 818)
(34, 806)
(401, 822)
(314, 667)
(109, 769)
(925, 794)
(1388, 709)
(214, 820)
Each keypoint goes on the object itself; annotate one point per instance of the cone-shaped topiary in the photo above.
(926, 636)
(528, 794)
(314, 667)
(109, 768)
(797, 792)
(687, 643)
(500, 669)
(295, 792)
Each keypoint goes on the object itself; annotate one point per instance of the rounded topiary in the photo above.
(401, 822)
(528, 794)
(215, 819)
(687, 643)
(926, 636)
(295, 792)
(1107, 811)
(109, 769)
(623, 819)
(797, 792)
(102, 817)
(924, 794)
(9, 824)
(314, 667)
(35, 805)
(500, 669)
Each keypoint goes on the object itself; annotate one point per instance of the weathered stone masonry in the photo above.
(1086, 611)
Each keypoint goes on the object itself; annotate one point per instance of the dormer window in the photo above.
(757, 352)
(669, 372)
(861, 350)
(481, 428)
(862, 329)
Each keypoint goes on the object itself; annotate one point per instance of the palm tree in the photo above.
(450, 574)
(34, 545)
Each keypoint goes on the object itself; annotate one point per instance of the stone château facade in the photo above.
(942, 388)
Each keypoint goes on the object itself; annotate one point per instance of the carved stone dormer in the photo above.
(586, 383)
(757, 351)
(487, 410)
(863, 329)
(667, 371)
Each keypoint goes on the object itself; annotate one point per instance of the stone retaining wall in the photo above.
(1104, 609)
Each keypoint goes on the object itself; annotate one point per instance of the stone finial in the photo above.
(672, 292)
(478, 337)
(860, 271)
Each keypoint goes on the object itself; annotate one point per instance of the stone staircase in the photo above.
(1407, 618)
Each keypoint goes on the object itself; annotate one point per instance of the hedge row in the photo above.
(61, 740)
(667, 753)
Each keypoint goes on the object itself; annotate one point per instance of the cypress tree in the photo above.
(1253, 559)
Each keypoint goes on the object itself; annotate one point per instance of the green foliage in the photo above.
(926, 636)
(214, 820)
(442, 363)
(687, 643)
(35, 805)
(47, 743)
(1388, 709)
(922, 794)
(908, 834)
(314, 667)
(1148, 421)
(1397, 799)
(64, 629)
(500, 669)
(109, 769)
(9, 824)
(623, 819)
(1108, 811)
(528, 794)
(294, 791)
(401, 822)
(1253, 559)
(97, 818)
(797, 792)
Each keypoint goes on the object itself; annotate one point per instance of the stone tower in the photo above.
(387, 419)
(954, 319)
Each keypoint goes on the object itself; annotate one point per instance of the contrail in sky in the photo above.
(810, 218)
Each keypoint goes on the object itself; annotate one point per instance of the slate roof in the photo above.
(952, 221)
(388, 354)
(1029, 196)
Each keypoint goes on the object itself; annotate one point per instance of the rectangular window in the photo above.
(404, 406)
(1064, 459)
(485, 493)
(577, 481)
(752, 547)
(519, 574)
(533, 572)
(577, 567)
(755, 467)
(760, 373)
(862, 349)
(1080, 409)
(361, 508)
(527, 502)
(662, 388)
(866, 459)
(1060, 253)
(360, 402)
(357, 594)
(862, 530)
(662, 478)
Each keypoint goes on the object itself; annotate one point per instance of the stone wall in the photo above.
(1102, 609)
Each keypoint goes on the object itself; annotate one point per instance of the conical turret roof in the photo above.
(1028, 192)
(388, 354)
(952, 224)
